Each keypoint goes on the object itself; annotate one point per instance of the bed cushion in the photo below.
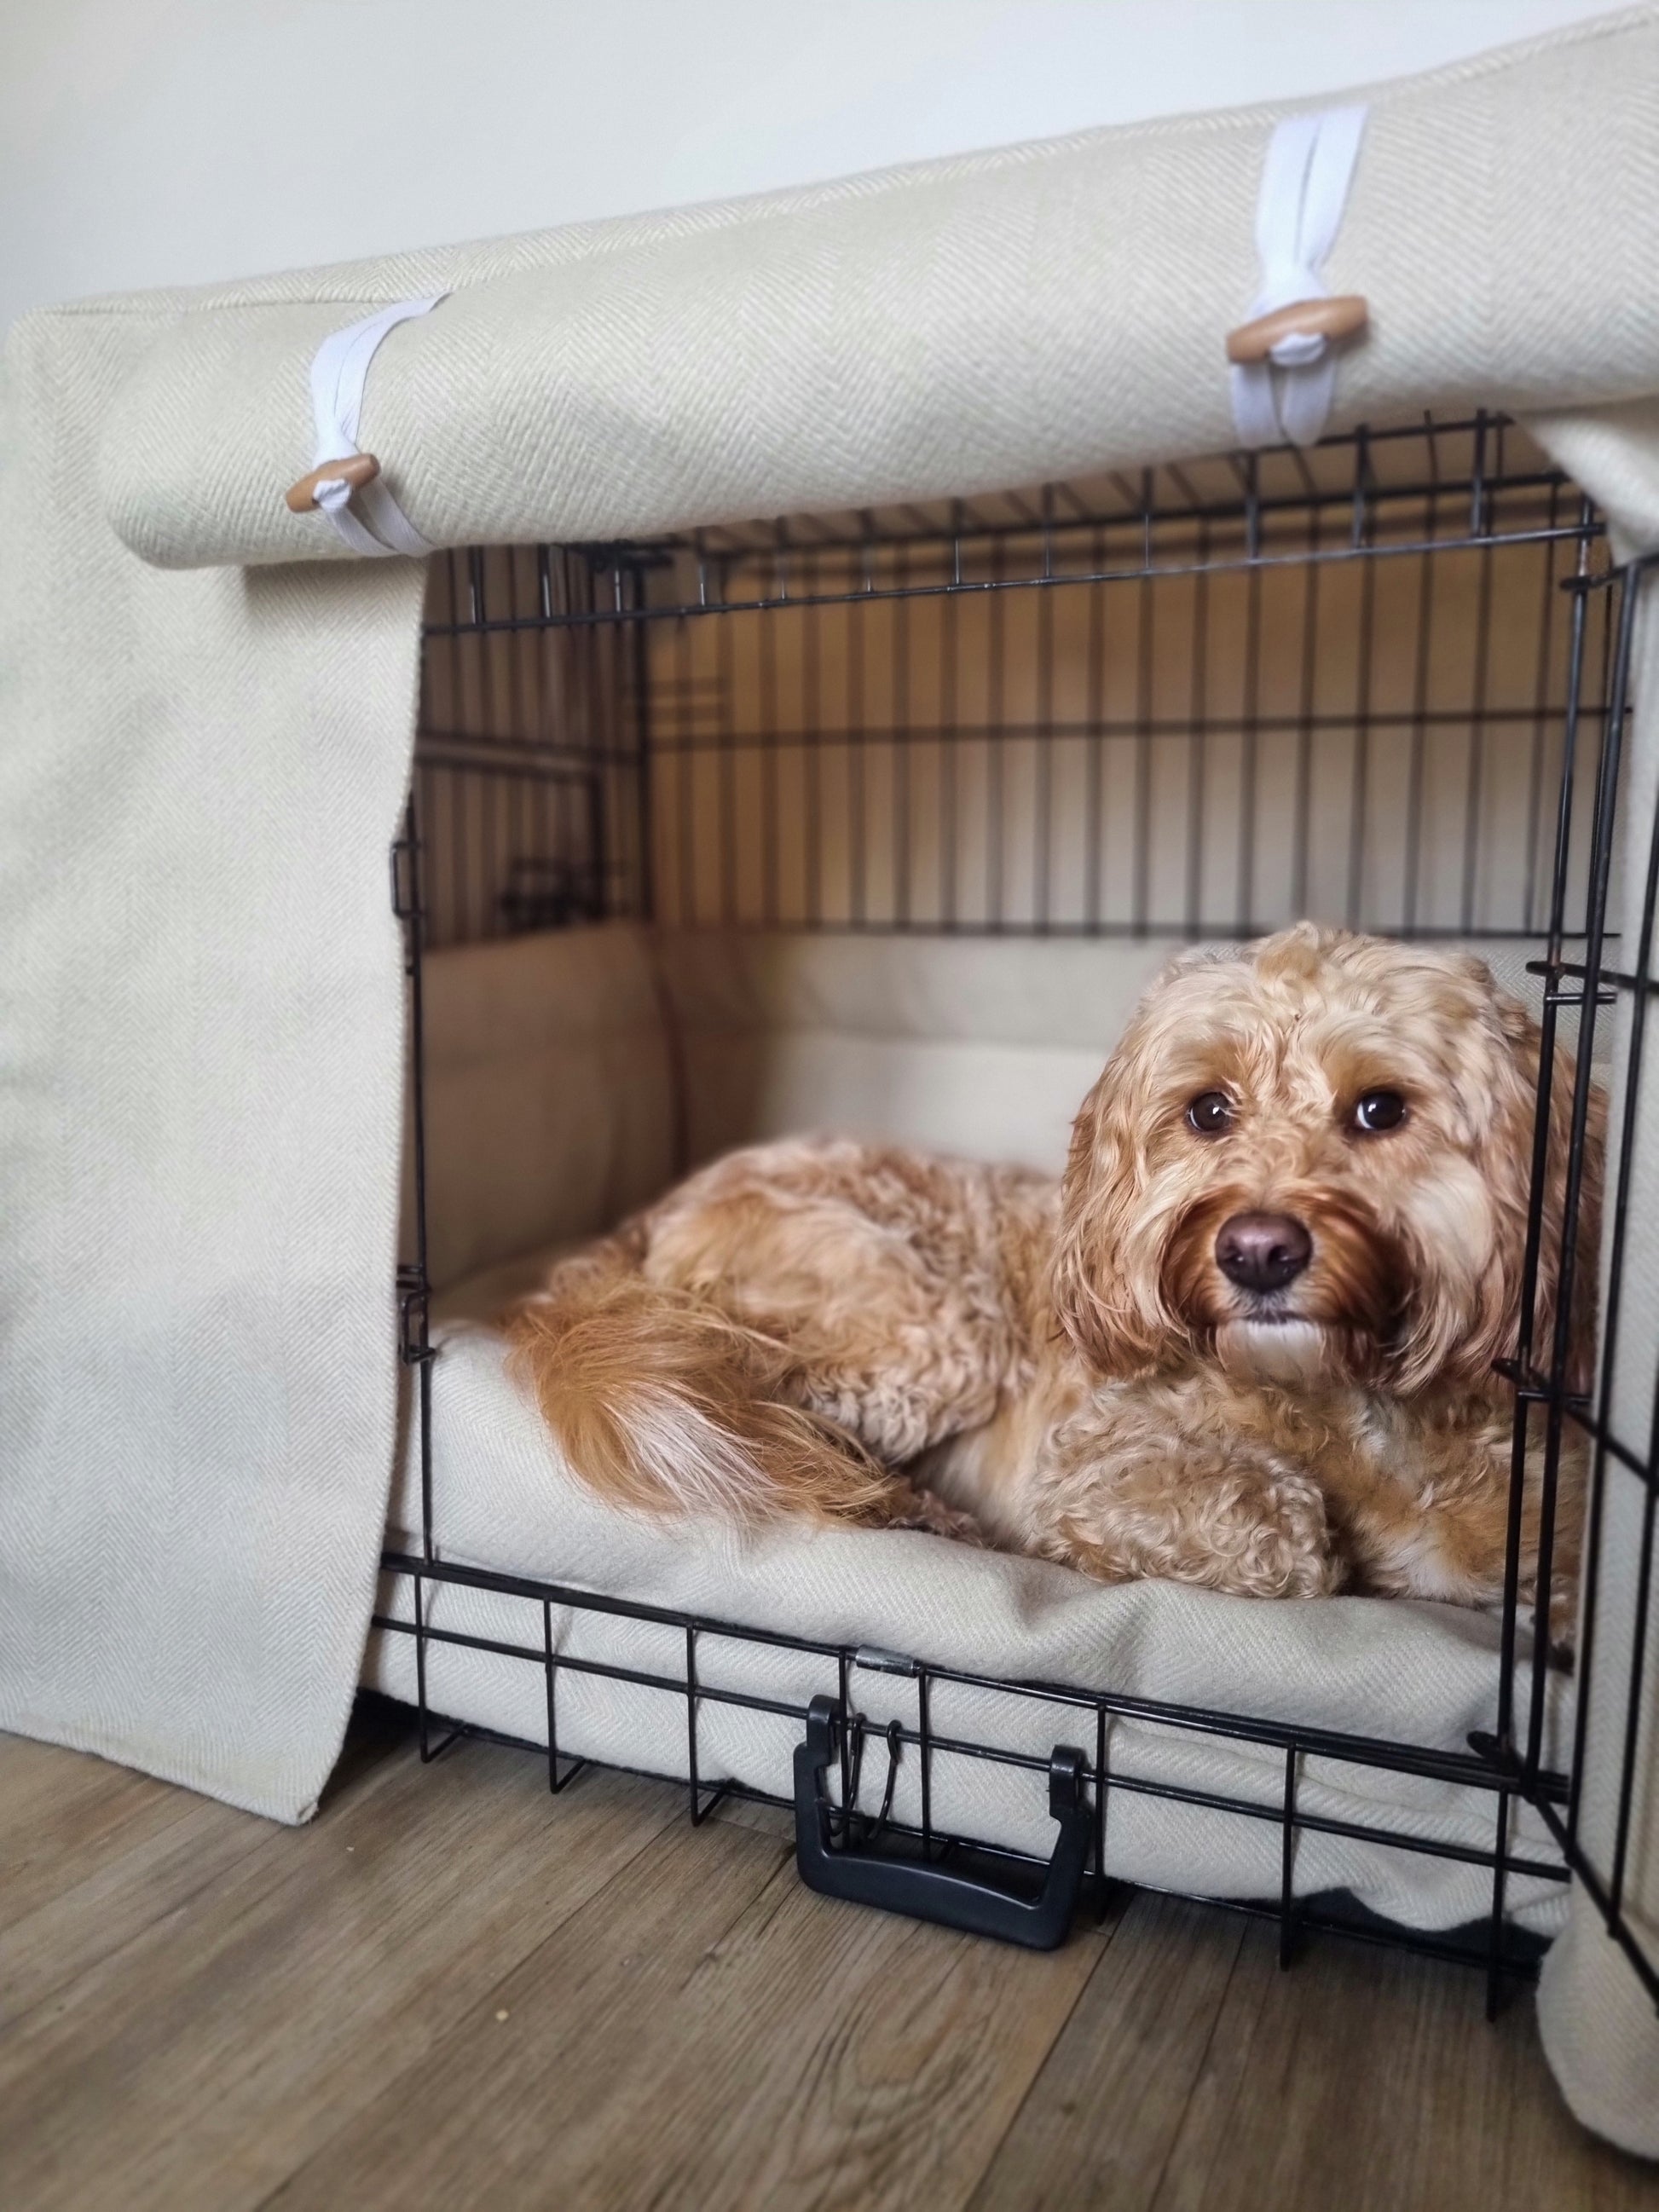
(550, 1093)
(1419, 1671)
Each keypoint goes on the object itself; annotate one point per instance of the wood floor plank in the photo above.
(829, 2056)
(1099, 2123)
(802, 2054)
(202, 2063)
(63, 1813)
(160, 1864)
(309, 2020)
(107, 1851)
(536, 2069)
(1369, 2079)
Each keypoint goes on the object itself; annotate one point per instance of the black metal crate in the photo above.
(1384, 683)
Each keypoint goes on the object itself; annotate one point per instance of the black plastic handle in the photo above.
(934, 1893)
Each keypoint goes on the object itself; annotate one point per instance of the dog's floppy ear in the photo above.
(1099, 1299)
(1507, 1160)
(1514, 1169)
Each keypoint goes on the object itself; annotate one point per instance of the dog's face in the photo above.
(1310, 1162)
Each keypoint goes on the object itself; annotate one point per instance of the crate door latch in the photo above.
(936, 1892)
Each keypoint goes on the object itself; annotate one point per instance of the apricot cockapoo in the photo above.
(1246, 1340)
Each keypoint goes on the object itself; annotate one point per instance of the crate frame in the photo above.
(604, 598)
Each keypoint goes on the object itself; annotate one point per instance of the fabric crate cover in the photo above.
(200, 771)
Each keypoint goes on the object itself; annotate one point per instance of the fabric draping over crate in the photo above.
(200, 771)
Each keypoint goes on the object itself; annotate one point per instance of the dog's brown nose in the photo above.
(1263, 1251)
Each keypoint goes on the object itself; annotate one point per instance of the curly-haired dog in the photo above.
(1247, 1339)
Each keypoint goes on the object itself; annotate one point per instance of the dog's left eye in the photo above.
(1210, 1112)
(1378, 1110)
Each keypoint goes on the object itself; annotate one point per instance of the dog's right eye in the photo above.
(1210, 1112)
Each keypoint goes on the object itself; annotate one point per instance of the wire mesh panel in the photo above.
(530, 776)
(1200, 703)
(1606, 1814)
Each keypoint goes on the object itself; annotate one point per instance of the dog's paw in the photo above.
(1273, 1539)
(926, 1509)
(1563, 1633)
(1288, 1547)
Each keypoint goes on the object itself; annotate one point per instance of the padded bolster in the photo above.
(561, 1066)
(984, 990)
(549, 1095)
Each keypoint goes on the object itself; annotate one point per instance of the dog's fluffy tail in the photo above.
(659, 1401)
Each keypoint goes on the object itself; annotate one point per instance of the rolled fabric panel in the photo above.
(968, 325)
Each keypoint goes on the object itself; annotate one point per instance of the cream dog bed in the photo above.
(570, 1076)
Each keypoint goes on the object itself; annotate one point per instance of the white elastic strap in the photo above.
(1305, 189)
(369, 520)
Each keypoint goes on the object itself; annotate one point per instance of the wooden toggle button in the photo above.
(1342, 317)
(355, 469)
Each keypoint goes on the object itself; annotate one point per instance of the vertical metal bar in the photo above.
(1641, 968)
(1288, 1863)
(1495, 1921)
(1042, 794)
(645, 828)
(484, 791)
(423, 1713)
(925, 1750)
(1141, 861)
(1533, 1246)
(1602, 847)
(1146, 505)
(901, 739)
(596, 734)
(1421, 665)
(996, 709)
(1250, 735)
(552, 1700)
(1635, 1698)
(1198, 736)
(1303, 792)
(691, 1722)
(1100, 1812)
(1474, 793)
(812, 680)
(685, 761)
(1359, 527)
(950, 646)
(517, 644)
(460, 868)
(766, 686)
(1478, 499)
(1095, 765)
(409, 905)
(1362, 747)
(855, 616)
(844, 1698)
(1540, 698)
(726, 741)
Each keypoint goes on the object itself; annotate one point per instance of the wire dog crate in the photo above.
(1382, 683)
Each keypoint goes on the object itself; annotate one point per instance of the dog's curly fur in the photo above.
(864, 1334)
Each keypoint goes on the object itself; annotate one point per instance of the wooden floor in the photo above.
(454, 1989)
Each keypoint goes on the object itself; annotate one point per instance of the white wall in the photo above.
(154, 142)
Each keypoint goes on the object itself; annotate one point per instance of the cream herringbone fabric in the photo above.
(962, 326)
(200, 1033)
